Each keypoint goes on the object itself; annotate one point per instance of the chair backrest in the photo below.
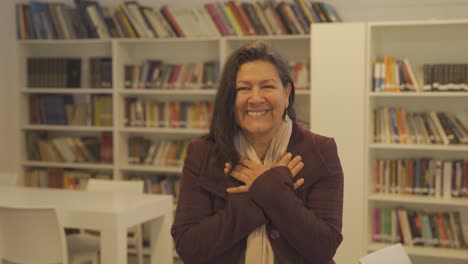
(395, 254)
(7, 178)
(99, 185)
(32, 235)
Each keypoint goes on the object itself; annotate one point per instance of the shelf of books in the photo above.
(417, 142)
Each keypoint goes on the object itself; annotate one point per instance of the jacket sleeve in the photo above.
(313, 228)
(201, 234)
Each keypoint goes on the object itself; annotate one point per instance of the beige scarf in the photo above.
(258, 247)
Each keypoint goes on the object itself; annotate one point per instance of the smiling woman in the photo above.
(259, 188)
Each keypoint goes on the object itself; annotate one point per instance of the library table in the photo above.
(109, 213)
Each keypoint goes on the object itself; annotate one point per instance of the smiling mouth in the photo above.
(257, 113)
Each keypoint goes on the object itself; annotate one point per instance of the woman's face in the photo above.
(261, 99)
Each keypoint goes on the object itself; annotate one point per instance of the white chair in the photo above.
(130, 187)
(395, 254)
(36, 236)
(7, 178)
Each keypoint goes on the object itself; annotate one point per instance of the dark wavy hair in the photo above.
(223, 124)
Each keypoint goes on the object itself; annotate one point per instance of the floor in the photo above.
(133, 260)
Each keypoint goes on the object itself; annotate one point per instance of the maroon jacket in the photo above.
(303, 226)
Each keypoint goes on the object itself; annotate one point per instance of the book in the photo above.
(167, 12)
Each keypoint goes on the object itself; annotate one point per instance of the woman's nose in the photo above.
(256, 95)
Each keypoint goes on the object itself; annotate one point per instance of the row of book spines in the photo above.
(158, 184)
(53, 72)
(445, 77)
(161, 153)
(233, 18)
(418, 228)
(47, 21)
(430, 177)
(396, 125)
(168, 114)
(95, 110)
(58, 21)
(154, 74)
(73, 149)
(394, 75)
(59, 178)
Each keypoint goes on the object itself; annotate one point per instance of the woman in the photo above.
(259, 188)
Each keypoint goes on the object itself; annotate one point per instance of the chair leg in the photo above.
(95, 259)
(139, 244)
(86, 258)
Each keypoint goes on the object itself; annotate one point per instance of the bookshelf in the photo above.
(422, 42)
(83, 49)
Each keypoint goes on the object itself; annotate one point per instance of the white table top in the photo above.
(108, 210)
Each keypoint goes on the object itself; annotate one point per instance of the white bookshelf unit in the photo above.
(422, 42)
(83, 49)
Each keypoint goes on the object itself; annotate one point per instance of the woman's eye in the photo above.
(268, 87)
(242, 88)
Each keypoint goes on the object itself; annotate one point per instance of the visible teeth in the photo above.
(256, 113)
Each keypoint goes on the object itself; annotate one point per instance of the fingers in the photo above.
(298, 183)
(296, 168)
(227, 167)
(294, 162)
(237, 174)
(284, 160)
(239, 189)
(241, 176)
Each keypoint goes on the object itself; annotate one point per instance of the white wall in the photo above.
(379, 10)
(8, 96)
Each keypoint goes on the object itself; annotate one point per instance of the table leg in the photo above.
(1, 246)
(114, 246)
(161, 240)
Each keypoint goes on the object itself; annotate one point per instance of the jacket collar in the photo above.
(213, 179)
